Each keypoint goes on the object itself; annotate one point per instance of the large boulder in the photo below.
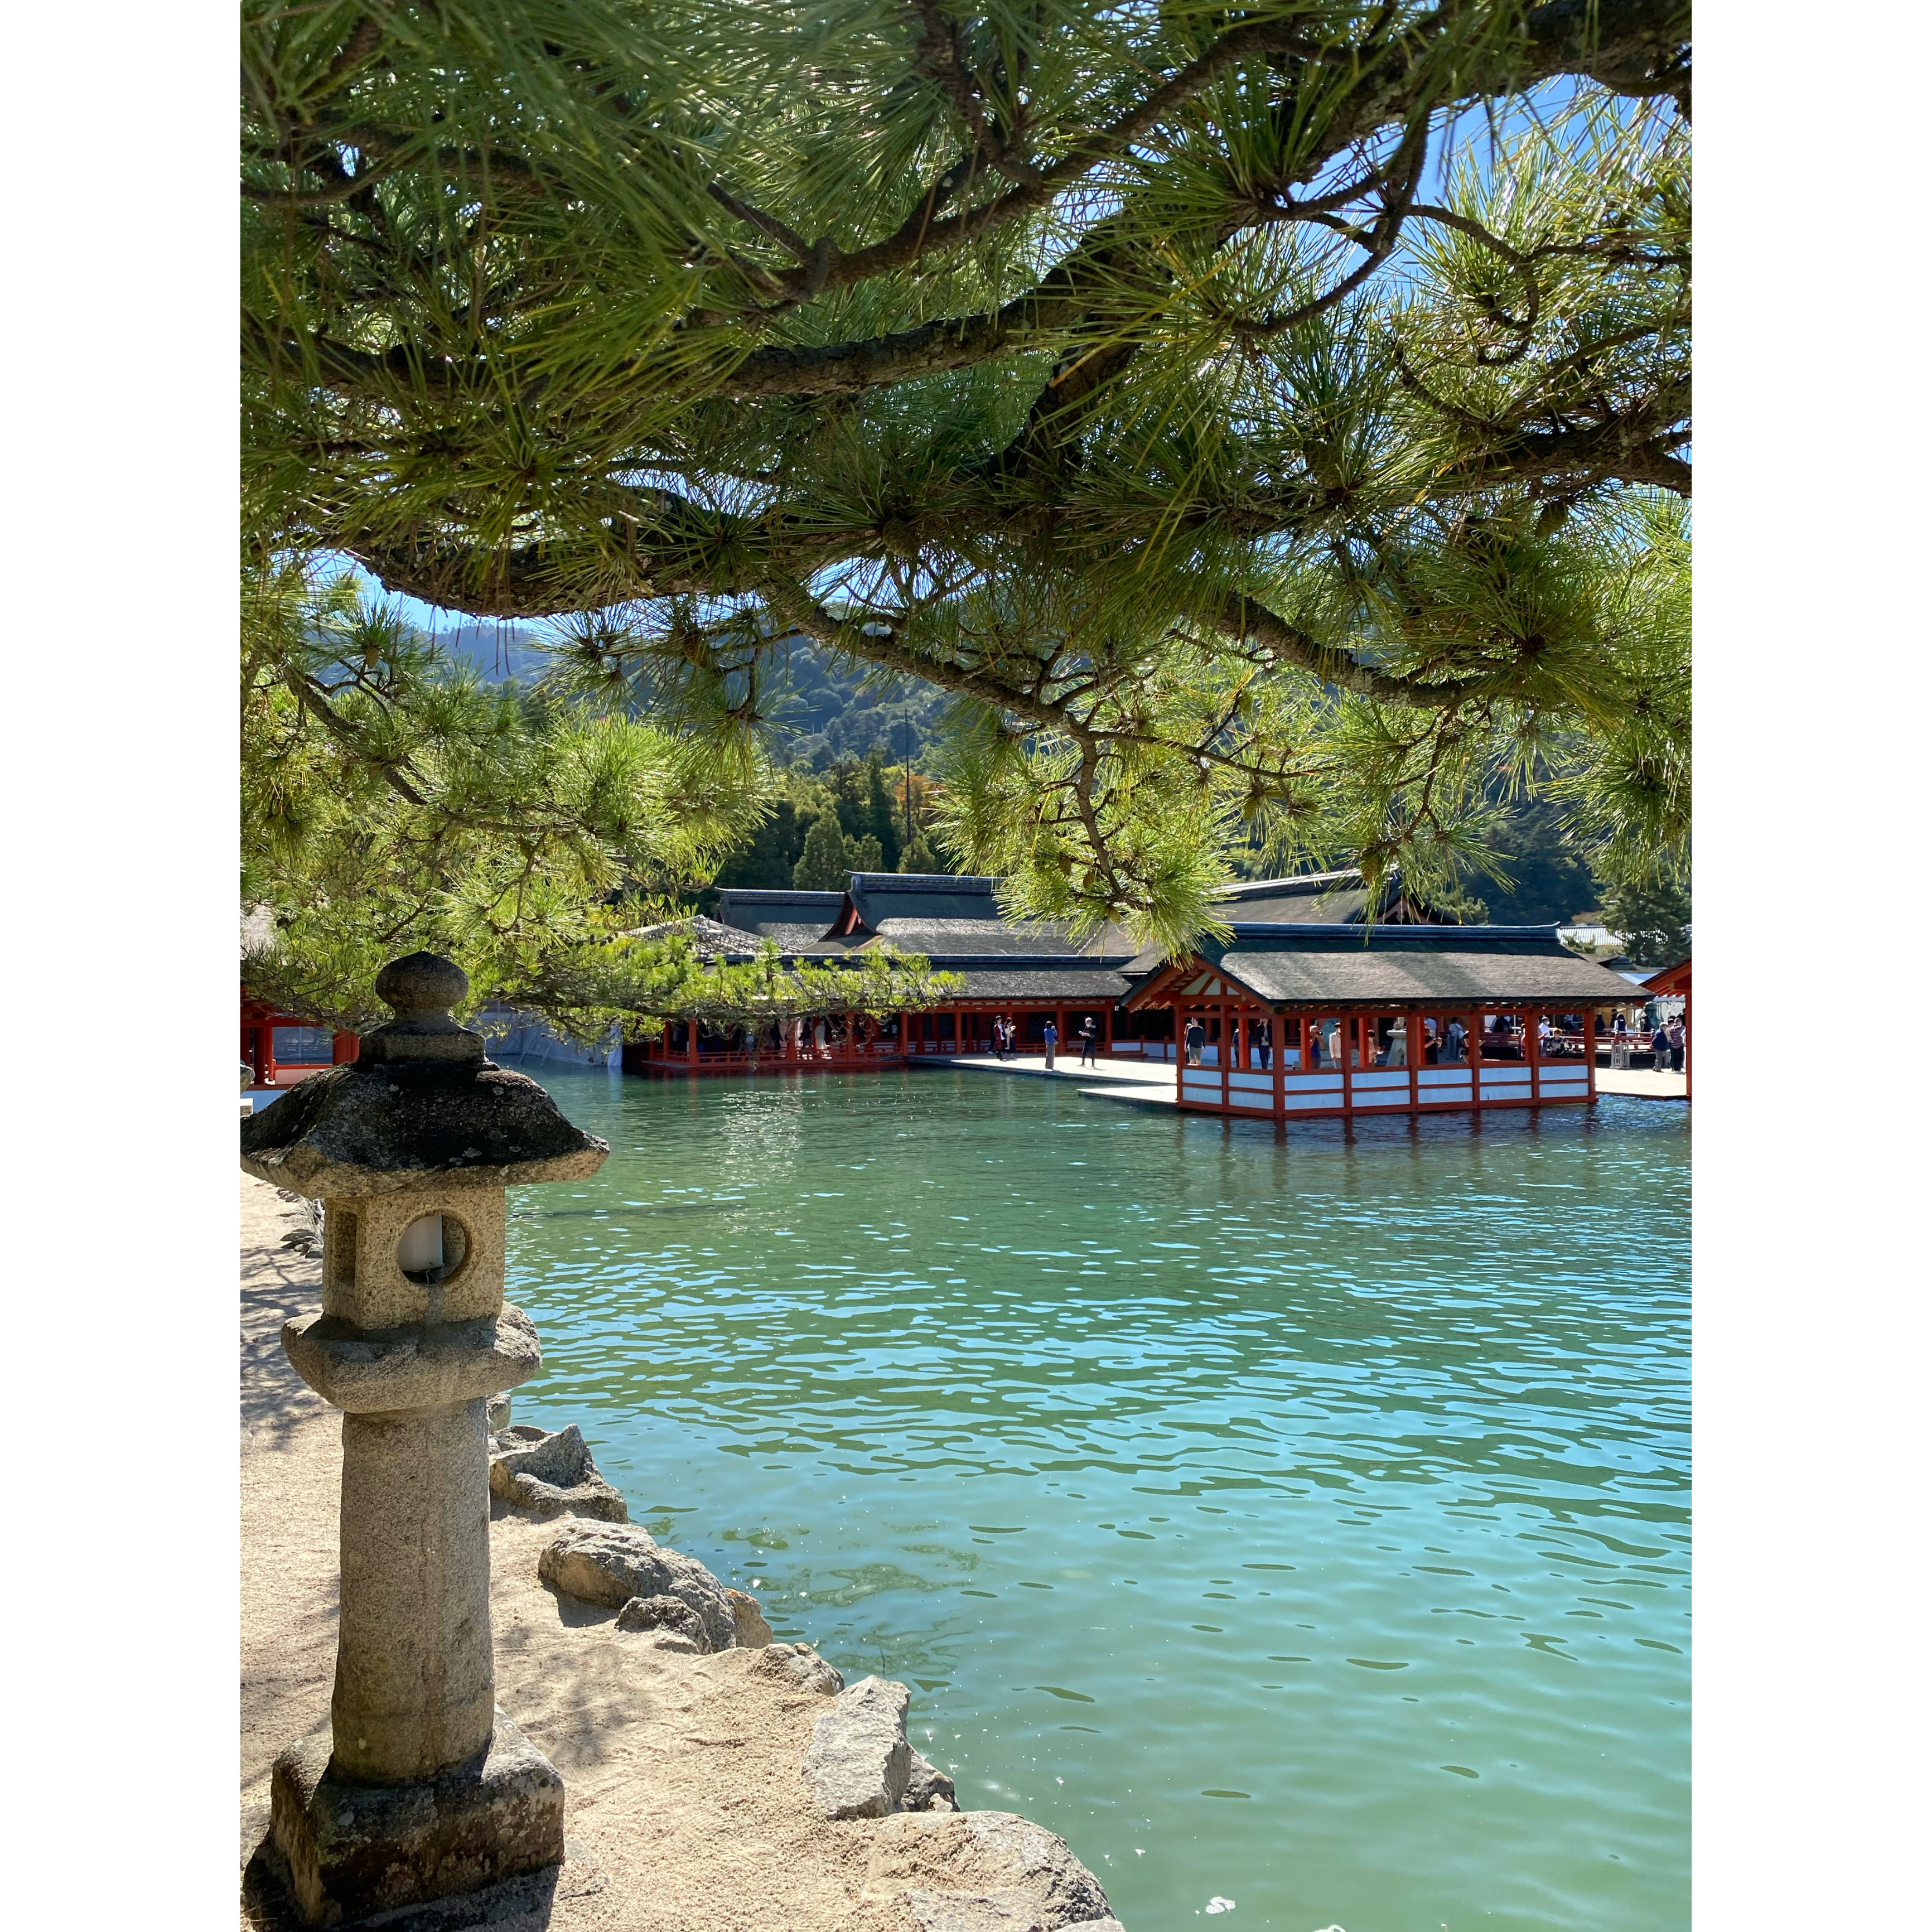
(539, 1471)
(859, 1760)
(797, 1667)
(984, 1871)
(609, 1563)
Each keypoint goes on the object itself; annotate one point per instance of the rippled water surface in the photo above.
(1299, 1522)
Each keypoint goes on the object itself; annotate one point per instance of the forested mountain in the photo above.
(844, 740)
(830, 712)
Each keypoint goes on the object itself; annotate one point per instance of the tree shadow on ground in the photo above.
(277, 1283)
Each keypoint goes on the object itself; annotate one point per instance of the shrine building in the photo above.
(1298, 1019)
(1327, 998)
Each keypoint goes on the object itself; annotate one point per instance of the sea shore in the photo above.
(686, 1805)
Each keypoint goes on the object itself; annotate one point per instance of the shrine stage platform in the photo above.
(1150, 1079)
(1150, 1083)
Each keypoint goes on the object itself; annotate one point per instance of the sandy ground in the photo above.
(686, 1807)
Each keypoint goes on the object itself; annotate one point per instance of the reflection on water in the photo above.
(1300, 1521)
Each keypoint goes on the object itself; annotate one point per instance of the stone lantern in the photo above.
(418, 1787)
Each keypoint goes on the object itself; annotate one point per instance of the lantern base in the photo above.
(352, 1850)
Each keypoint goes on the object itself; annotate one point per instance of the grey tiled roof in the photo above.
(1323, 897)
(763, 911)
(882, 896)
(803, 939)
(934, 937)
(1068, 986)
(709, 936)
(1398, 974)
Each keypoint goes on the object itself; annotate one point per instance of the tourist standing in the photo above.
(1052, 1041)
(1196, 1037)
(1674, 1032)
(1090, 1041)
(1453, 1039)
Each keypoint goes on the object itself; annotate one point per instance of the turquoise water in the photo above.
(1303, 1522)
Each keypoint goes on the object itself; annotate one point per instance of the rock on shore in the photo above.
(609, 1563)
(551, 1473)
(985, 1871)
(860, 1760)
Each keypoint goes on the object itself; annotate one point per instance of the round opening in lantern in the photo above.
(432, 1248)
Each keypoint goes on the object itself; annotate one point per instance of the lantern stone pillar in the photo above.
(419, 1787)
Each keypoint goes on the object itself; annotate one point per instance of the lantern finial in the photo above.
(422, 985)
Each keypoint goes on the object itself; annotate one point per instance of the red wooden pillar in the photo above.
(1687, 1043)
(1107, 1035)
(1590, 1047)
(1059, 1027)
(344, 1048)
(1278, 1026)
(1411, 1026)
(691, 1043)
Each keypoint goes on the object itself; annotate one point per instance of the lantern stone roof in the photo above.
(421, 1107)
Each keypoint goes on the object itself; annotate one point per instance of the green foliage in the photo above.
(881, 821)
(920, 856)
(1652, 917)
(640, 980)
(823, 865)
(390, 801)
(1267, 425)
(1550, 882)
